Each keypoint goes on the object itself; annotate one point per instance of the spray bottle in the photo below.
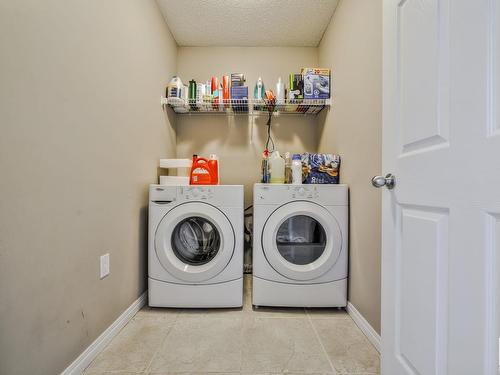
(259, 93)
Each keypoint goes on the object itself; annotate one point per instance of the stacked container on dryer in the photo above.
(195, 171)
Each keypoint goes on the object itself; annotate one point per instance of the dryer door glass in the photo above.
(301, 239)
(195, 240)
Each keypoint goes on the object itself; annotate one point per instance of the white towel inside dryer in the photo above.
(297, 229)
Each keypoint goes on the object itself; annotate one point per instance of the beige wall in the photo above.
(81, 132)
(239, 140)
(352, 48)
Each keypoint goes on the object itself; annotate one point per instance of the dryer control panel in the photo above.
(304, 192)
(271, 192)
(334, 194)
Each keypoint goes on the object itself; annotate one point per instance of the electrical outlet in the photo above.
(104, 265)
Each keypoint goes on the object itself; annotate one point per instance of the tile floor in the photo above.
(238, 341)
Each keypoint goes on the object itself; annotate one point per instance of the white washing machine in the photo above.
(195, 246)
(300, 254)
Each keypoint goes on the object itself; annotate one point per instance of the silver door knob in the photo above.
(388, 181)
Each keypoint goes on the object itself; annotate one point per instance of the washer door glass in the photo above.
(196, 240)
(301, 239)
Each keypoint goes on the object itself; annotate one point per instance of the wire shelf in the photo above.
(247, 106)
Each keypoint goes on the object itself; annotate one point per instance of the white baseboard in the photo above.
(364, 326)
(84, 359)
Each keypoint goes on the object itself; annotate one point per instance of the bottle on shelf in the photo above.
(200, 93)
(259, 90)
(280, 92)
(288, 168)
(192, 94)
(174, 91)
(277, 168)
(225, 91)
(215, 93)
(296, 169)
(259, 93)
(182, 107)
(207, 98)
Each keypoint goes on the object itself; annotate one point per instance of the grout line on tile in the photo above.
(279, 317)
(146, 370)
(321, 343)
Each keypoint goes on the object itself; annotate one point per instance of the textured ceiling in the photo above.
(247, 22)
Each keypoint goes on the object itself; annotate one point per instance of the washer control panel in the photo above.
(196, 192)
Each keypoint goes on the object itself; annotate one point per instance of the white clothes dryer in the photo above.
(300, 254)
(195, 246)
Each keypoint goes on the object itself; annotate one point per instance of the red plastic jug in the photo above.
(213, 163)
(202, 172)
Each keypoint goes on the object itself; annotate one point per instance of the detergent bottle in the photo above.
(174, 92)
(201, 172)
(277, 168)
(213, 163)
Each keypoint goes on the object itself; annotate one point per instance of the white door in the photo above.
(301, 240)
(441, 221)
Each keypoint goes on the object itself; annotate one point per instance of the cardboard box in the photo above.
(237, 79)
(296, 90)
(239, 98)
(316, 83)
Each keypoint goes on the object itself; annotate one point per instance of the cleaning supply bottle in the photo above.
(200, 93)
(181, 106)
(280, 92)
(215, 92)
(265, 167)
(277, 168)
(259, 93)
(184, 95)
(296, 169)
(174, 91)
(201, 172)
(207, 98)
(225, 91)
(213, 163)
(288, 168)
(192, 94)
